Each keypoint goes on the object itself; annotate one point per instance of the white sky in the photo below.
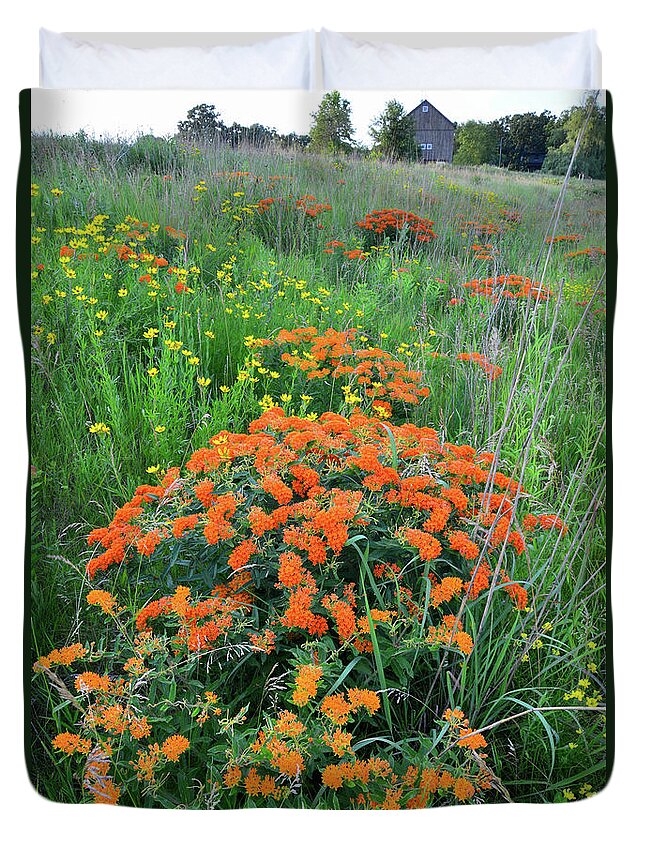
(130, 113)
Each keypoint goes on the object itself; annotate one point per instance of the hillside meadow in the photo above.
(317, 480)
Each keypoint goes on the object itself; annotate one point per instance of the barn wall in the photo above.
(433, 127)
(443, 143)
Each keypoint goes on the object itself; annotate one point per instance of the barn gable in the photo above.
(435, 134)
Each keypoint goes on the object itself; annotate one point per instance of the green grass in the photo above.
(252, 274)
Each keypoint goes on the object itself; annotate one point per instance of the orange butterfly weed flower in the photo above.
(306, 684)
(69, 743)
(105, 792)
(86, 682)
(480, 579)
(277, 488)
(291, 572)
(102, 599)
(288, 724)
(342, 614)
(147, 761)
(333, 776)
(140, 728)
(183, 523)
(232, 776)
(339, 742)
(446, 590)
(459, 541)
(241, 554)
(174, 746)
(464, 789)
(472, 741)
(368, 699)
(518, 594)
(336, 708)
(65, 656)
(429, 547)
(147, 544)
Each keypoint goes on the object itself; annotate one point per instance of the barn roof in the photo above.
(426, 101)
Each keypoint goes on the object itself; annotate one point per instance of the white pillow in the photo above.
(284, 62)
(564, 62)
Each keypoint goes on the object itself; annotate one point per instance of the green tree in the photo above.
(591, 157)
(476, 142)
(524, 138)
(393, 132)
(295, 140)
(332, 128)
(203, 123)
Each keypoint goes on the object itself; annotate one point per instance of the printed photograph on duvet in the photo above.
(318, 472)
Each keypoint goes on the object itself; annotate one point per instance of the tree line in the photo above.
(528, 141)
(204, 125)
(522, 142)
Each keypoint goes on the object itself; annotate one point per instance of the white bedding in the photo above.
(328, 60)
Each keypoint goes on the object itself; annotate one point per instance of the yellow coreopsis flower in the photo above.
(100, 427)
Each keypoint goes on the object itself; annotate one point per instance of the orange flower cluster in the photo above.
(308, 204)
(102, 599)
(87, 682)
(69, 743)
(201, 623)
(445, 590)
(460, 542)
(339, 742)
(343, 613)
(120, 535)
(485, 252)
(337, 708)
(492, 371)
(115, 718)
(416, 788)
(428, 546)
(174, 746)
(592, 252)
(390, 223)
(332, 245)
(263, 786)
(96, 779)
(148, 759)
(508, 287)
(334, 355)
(311, 206)
(272, 494)
(480, 227)
(545, 521)
(63, 657)
(450, 633)
(564, 238)
(306, 684)
(511, 215)
(459, 728)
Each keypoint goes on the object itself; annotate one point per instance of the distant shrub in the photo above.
(161, 156)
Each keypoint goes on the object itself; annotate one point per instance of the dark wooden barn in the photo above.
(435, 133)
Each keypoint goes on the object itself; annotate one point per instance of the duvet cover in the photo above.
(317, 411)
